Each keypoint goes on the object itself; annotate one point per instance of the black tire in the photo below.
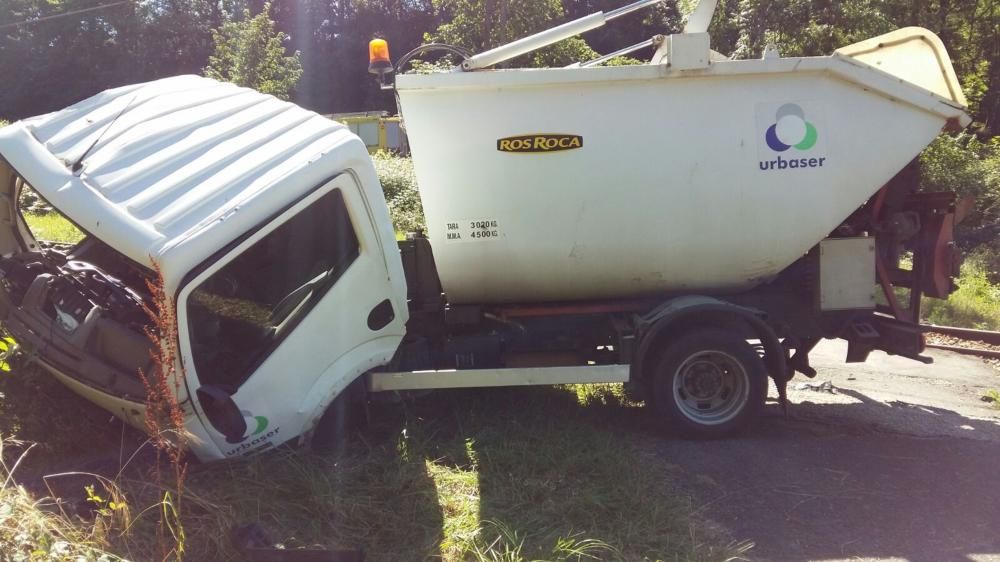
(708, 384)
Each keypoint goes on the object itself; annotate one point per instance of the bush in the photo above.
(399, 183)
(966, 165)
(970, 167)
(976, 303)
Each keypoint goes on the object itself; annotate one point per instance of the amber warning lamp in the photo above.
(378, 60)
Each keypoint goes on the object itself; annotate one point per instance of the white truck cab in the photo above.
(267, 223)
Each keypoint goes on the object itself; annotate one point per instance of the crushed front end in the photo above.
(78, 310)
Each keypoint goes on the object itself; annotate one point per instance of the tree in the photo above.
(77, 48)
(50, 63)
(333, 40)
(970, 29)
(478, 25)
(250, 52)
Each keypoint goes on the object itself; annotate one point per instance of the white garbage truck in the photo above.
(690, 227)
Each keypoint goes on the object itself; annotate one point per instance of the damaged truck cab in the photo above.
(267, 224)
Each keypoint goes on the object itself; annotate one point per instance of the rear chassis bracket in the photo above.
(894, 328)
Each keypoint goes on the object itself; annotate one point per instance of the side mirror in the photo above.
(223, 413)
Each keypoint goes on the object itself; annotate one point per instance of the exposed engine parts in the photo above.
(77, 311)
(75, 287)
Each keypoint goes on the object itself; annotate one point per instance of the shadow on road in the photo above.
(826, 483)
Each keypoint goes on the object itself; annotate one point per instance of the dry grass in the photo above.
(48, 529)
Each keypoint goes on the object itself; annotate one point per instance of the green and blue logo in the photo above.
(791, 130)
(784, 127)
(255, 424)
(259, 435)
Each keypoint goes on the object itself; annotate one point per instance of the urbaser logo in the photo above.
(793, 137)
(539, 143)
(256, 423)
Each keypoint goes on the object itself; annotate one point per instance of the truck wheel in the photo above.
(709, 384)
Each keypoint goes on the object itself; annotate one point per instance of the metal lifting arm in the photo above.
(701, 17)
(654, 41)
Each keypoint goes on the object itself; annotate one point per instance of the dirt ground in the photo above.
(900, 462)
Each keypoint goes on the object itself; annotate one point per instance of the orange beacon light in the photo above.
(378, 57)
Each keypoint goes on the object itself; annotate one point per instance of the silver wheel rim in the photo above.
(711, 387)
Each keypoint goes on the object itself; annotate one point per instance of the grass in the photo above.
(33, 529)
(39, 423)
(993, 397)
(976, 303)
(53, 227)
(545, 474)
(494, 475)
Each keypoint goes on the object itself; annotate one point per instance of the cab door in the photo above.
(264, 321)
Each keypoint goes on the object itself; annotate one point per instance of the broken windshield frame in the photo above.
(239, 314)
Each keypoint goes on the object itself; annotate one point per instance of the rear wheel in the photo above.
(709, 384)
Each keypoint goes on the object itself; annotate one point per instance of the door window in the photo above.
(241, 313)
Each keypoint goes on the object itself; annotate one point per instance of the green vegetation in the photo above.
(542, 474)
(399, 183)
(976, 303)
(53, 227)
(40, 425)
(971, 167)
(968, 28)
(32, 529)
(250, 52)
(477, 26)
(146, 40)
(545, 474)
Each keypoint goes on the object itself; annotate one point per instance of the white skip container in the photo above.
(701, 174)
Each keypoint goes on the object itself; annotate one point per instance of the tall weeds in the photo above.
(164, 416)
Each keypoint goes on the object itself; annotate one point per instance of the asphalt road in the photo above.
(900, 462)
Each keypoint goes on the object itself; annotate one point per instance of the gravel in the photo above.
(942, 339)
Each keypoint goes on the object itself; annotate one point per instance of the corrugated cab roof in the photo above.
(168, 157)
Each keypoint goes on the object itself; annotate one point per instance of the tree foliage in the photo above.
(250, 52)
(971, 167)
(51, 63)
(970, 29)
(72, 57)
(479, 25)
(399, 184)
